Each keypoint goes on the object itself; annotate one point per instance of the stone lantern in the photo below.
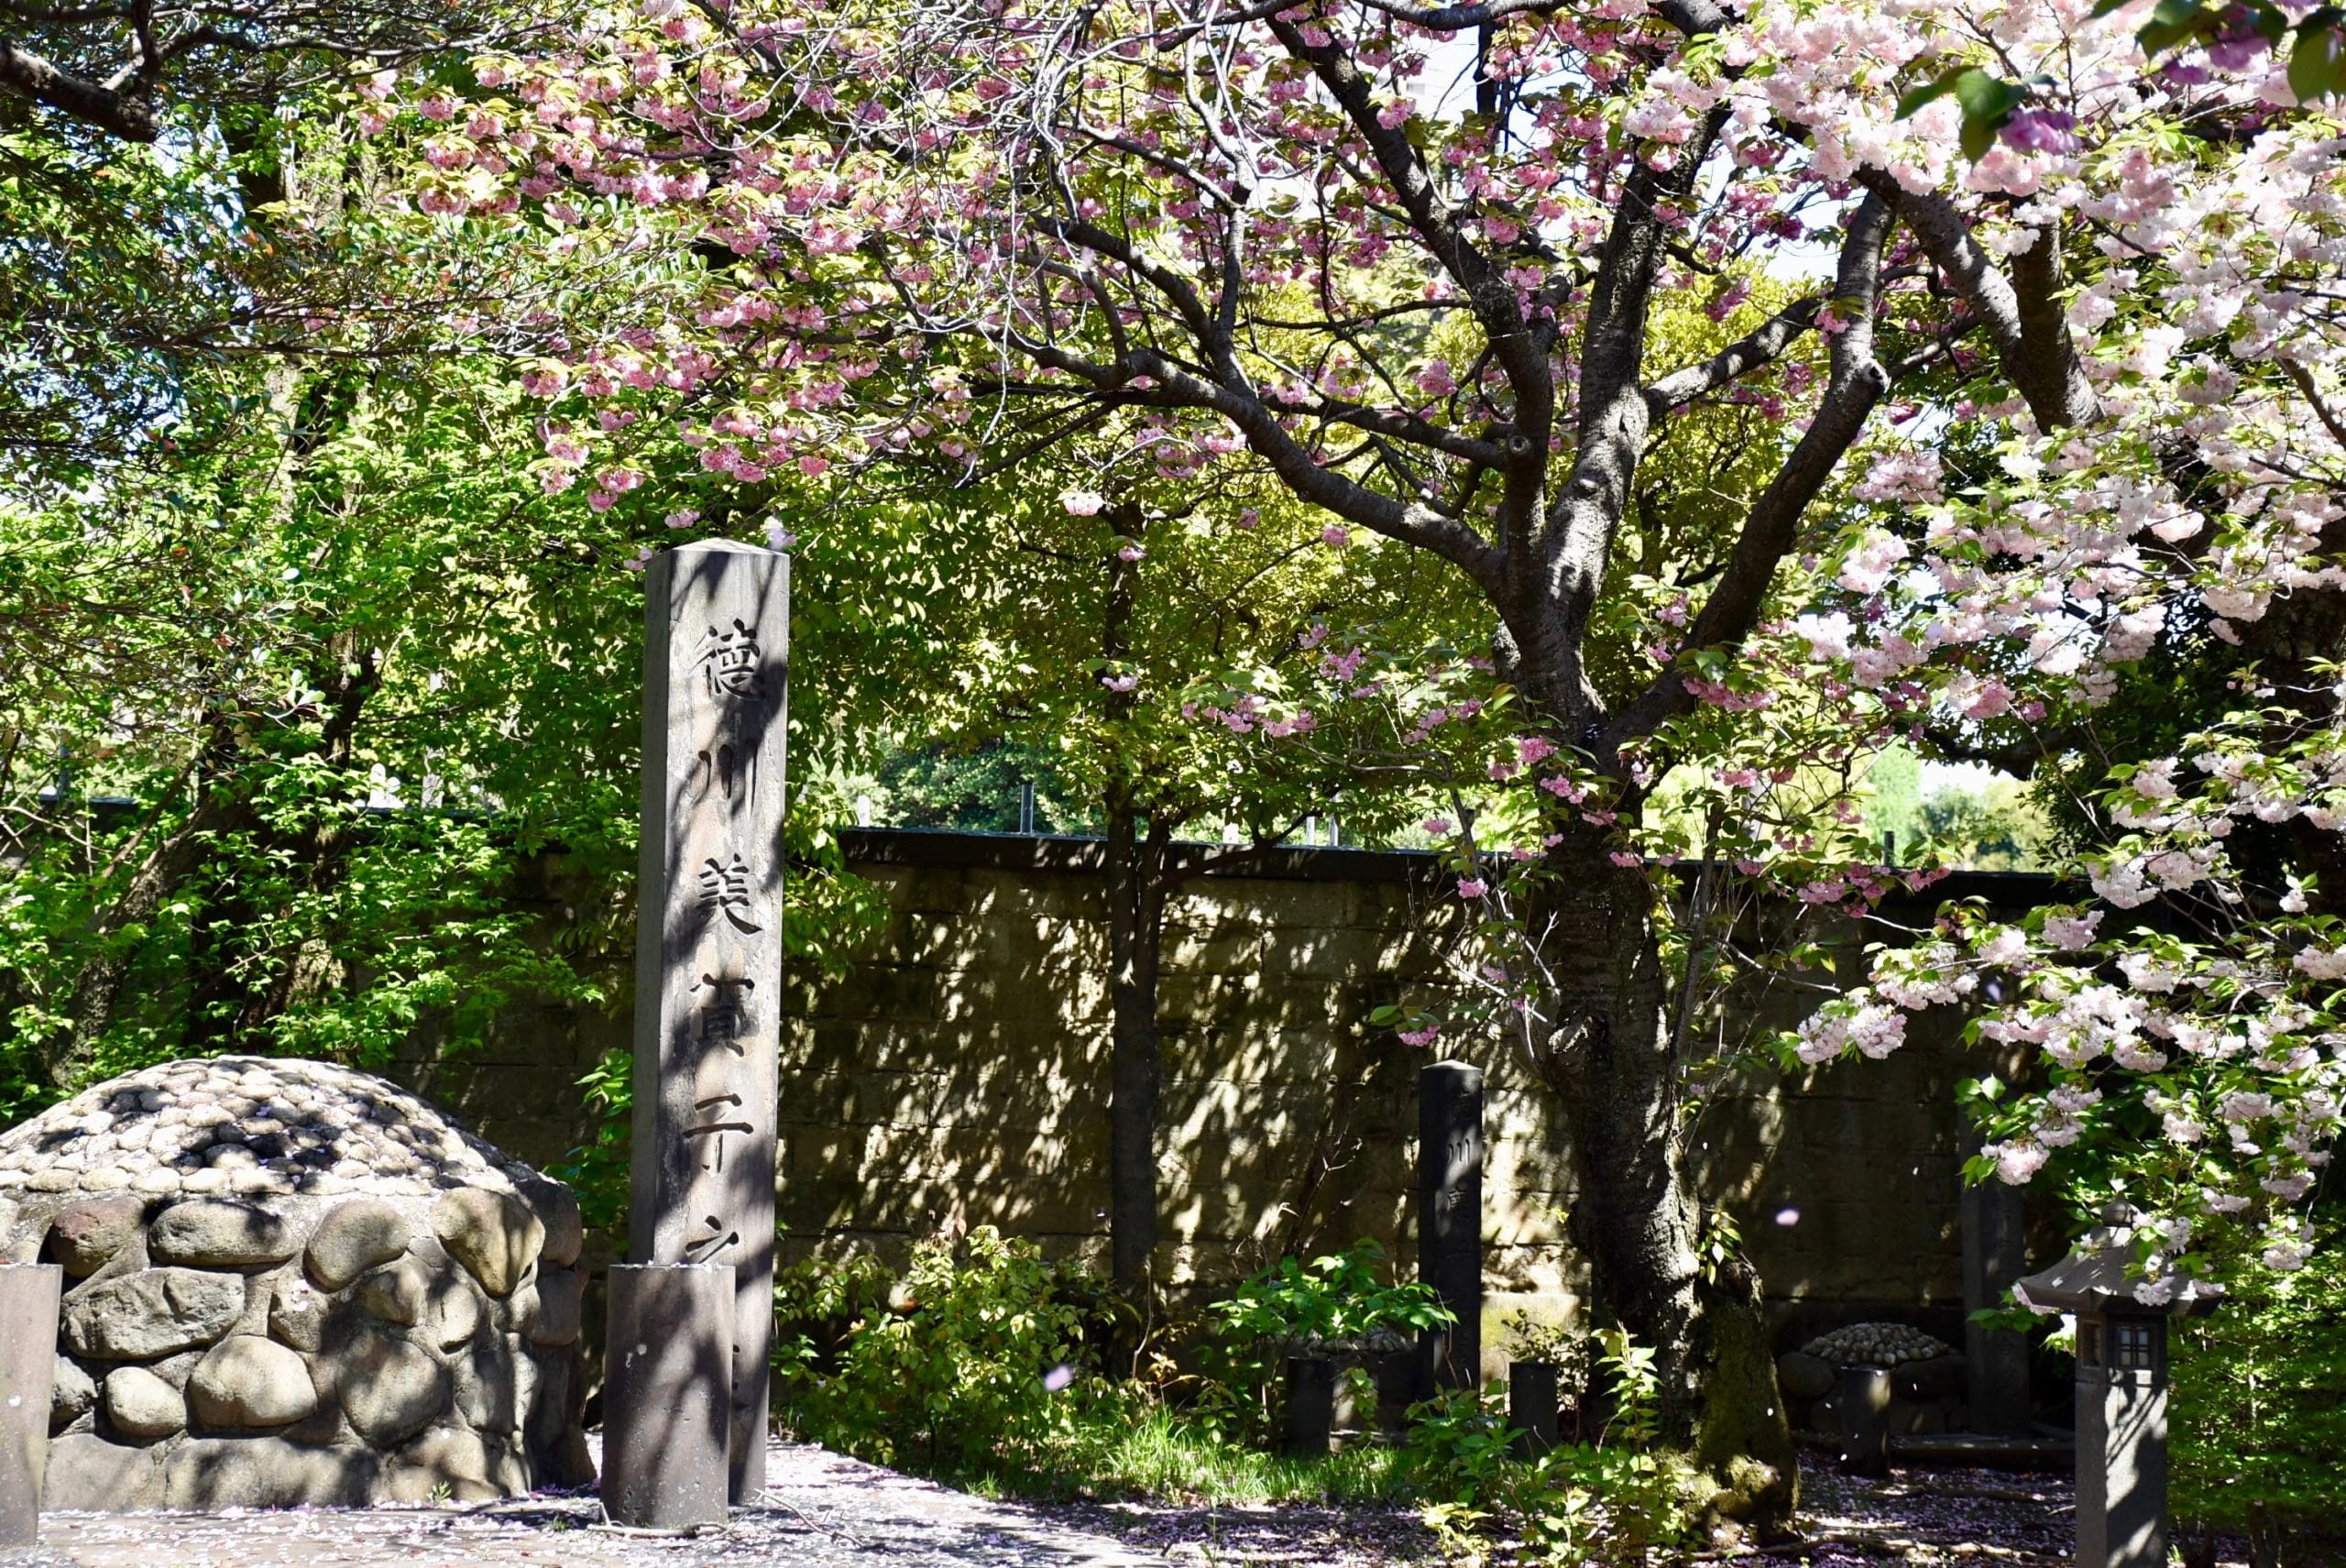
(2122, 1394)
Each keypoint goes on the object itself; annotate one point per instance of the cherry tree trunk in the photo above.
(1634, 1216)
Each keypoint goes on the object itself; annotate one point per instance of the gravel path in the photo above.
(825, 1511)
(821, 1511)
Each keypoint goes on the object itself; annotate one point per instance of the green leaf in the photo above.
(1930, 91)
(2173, 21)
(2314, 62)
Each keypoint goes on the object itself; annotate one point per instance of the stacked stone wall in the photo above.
(292, 1284)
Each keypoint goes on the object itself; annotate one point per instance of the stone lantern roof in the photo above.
(2093, 1281)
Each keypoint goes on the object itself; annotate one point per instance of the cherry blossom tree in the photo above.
(2043, 398)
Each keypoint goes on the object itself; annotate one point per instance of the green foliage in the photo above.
(1620, 1490)
(2314, 41)
(1332, 1304)
(977, 790)
(973, 1363)
(1995, 824)
(598, 1170)
(1340, 1297)
(2258, 1401)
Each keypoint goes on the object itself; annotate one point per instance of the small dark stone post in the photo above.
(1995, 1360)
(1531, 1406)
(667, 1398)
(1310, 1405)
(1863, 1395)
(29, 1295)
(709, 942)
(1449, 1218)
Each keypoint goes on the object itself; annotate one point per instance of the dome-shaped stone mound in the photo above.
(291, 1283)
(246, 1126)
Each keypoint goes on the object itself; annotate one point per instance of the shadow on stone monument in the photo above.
(707, 1028)
(1450, 1222)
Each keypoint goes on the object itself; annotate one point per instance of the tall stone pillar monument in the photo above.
(708, 943)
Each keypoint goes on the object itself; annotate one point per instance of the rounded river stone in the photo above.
(391, 1390)
(249, 1382)
(495, 1234)
(141, 1406)
(152, 1313)
(395, 1294)
(557, 1206)
(352, 1238)
(84, 1237)
(209, 1233)
(70, 1393)
(1804, 1376)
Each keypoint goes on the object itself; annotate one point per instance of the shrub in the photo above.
(1341, 1304)
(1622, 1489)
(972, 1361)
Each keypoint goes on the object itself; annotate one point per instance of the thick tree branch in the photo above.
(1179, 386)
(2033, 347)
(117, 113)
(1855, 383)
(1763, 345)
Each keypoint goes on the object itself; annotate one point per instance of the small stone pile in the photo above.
(1875, 1344)
(1926, 1378)
(291, 1283)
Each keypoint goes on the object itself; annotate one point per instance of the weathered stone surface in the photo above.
(89, 1475)
(488, 1392)
(444, 1459)
(494, 1234)
(176, 1370)
(271, 1124)
(352, 1238)
(454, 1313)
(297, 1315)
(209, 1232)
(1804, 1376)
(546, 1386)
(84, 1236)
(520, 1313)
(206, 1475)
(141, 1406)
(1940, 1377)
(389, 1390)
(71, 1392)
(250, 1383)
(561, 1294)
(557, 1207)
(396, 1294)
(152, 1313)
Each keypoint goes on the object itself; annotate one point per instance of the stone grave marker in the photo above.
(28, 1360)
(1450, 1221)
